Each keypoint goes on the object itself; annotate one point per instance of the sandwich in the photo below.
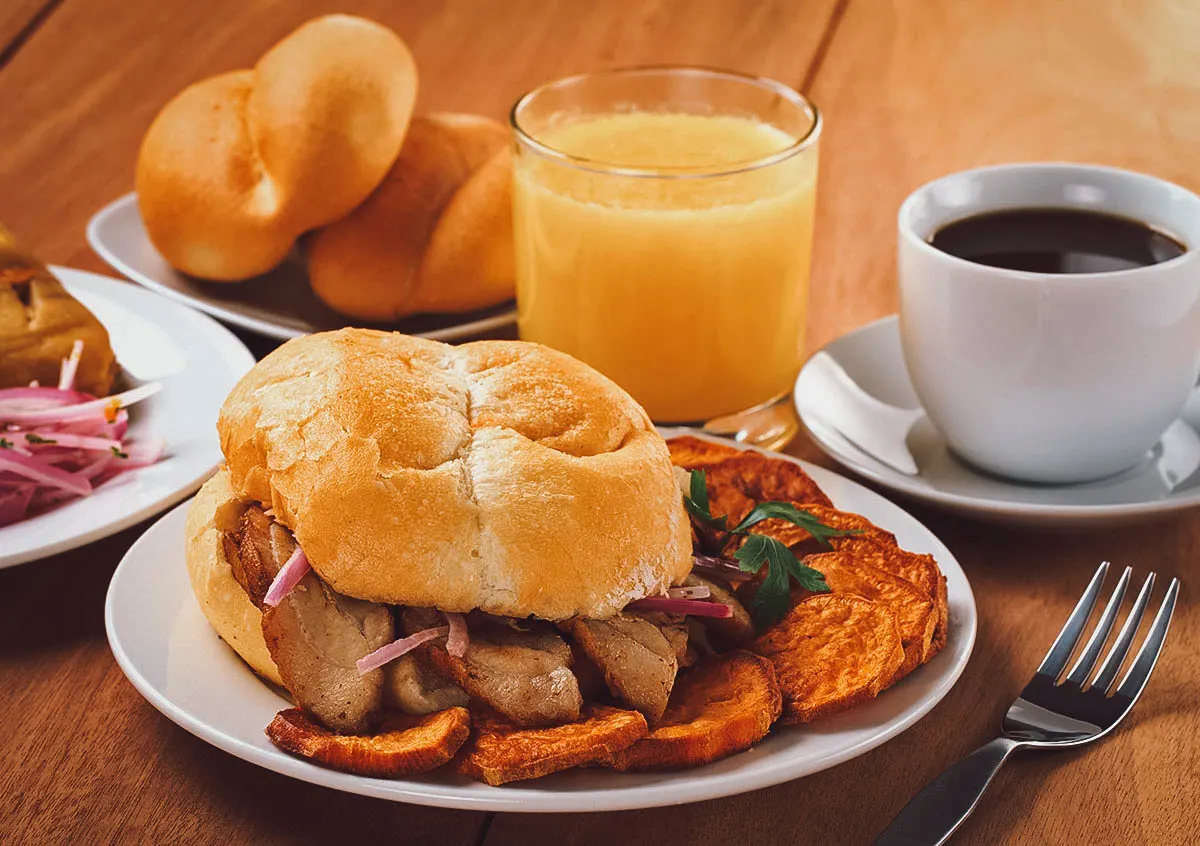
(484, 554)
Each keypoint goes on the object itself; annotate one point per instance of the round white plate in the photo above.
(166, 648)
(1167, 479)
(279, 304)
(198, 362)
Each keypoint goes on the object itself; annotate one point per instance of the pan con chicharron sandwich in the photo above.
(482, 554)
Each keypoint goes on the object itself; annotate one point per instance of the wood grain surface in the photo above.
(910, 90)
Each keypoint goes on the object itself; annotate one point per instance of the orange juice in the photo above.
(687, 283)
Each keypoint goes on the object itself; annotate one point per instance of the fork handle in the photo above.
(932, 815)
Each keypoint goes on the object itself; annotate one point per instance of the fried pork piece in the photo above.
(831, 652)
(638, 662)
(729, 631)
(499, 753)
(524, 675)
(314, 635)
(916, 615)
(409, 686)
(404, 745)
(725, 705)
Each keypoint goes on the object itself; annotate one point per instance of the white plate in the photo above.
(279, 305)
(872, 358)
(166, 648)
(198, 362)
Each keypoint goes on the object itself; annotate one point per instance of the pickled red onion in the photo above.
(287, 577)
(691, 607)
(392, 651)
(458, 639)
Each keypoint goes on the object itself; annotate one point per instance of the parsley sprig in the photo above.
(771, 600)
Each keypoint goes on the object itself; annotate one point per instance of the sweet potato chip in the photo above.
(724, 706)
(404, 745)
(499, 752)
(919, 569)
(831, 652)
(916, 614)
(693, 453)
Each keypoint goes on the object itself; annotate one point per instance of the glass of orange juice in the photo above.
(663, 220)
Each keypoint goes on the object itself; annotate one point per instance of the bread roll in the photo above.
(238, 166)
(435, 236)
(497, 475)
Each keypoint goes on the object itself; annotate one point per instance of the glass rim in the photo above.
(546, 151)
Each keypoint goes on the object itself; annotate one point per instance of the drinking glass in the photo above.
(663, 223)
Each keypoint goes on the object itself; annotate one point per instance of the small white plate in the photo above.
(198, 362)
(279, 305)
(167, 649)
(871, 357)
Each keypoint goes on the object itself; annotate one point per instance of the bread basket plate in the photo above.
(168, 651)
(279, 304)
(198, 362)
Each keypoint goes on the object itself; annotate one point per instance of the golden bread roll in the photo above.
(40, 323)
(497, 475)
(239, 165)
(435, 236)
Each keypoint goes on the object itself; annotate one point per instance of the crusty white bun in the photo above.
(496, 475)
(435, 236)
(237, 166)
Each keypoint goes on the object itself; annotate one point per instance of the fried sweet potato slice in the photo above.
(693, 453)
(831, 652)
(404, 745)
(916, 614)
(724, 706)
(499, 752)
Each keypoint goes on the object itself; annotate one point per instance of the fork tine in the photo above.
(1147, 656)
(1120, 648)
(1095, 643)
(1064, 644)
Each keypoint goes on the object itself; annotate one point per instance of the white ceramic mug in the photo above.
(1051, 378)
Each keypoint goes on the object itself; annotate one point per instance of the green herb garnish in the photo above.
(771, 600)
(5, 443)
(118, 453)
(30, 437)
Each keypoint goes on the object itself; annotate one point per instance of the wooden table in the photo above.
(910, 90)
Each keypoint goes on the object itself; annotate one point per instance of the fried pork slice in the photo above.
(404, 745)
(523, 675)
(314, 635)
(411, 687)
(733, 630)
(638, 661)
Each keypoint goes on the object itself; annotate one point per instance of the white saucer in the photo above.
(164, 645)
(197, 360)
(871, 357)
(279, 304)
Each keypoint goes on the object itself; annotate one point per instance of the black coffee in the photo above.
(1056, 241)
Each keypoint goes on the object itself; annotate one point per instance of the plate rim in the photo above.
(77, 279)
(518, 799)
(963, 503)
(253, 324)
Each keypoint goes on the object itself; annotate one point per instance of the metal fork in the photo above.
(1048, 714)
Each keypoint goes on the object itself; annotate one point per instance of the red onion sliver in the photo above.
(15, 503)
(67, 439)
(105, 410)
(287, 577)
(34, 398)
(392, 651)
(70, 365)
(694, 592)
(691, 607)
(43, 472)
(458, 640)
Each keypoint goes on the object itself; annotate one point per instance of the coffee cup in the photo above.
(1045, 374)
